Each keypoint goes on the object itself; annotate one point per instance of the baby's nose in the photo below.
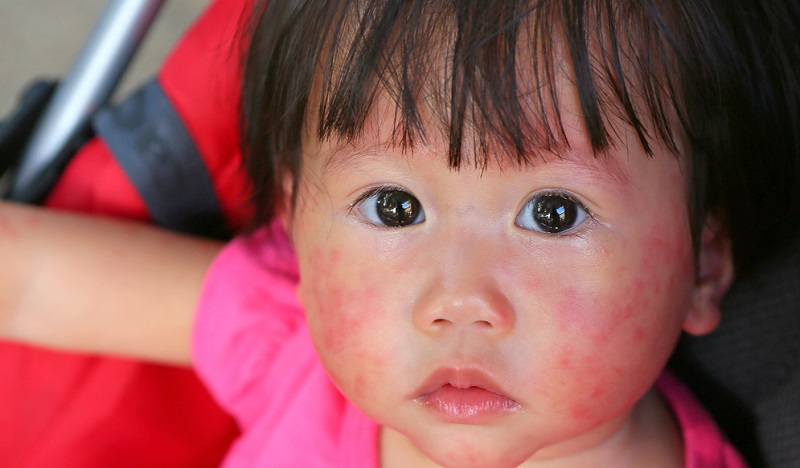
(464, 299)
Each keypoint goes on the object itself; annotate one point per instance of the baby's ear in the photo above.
(283, 210)
(714, 276)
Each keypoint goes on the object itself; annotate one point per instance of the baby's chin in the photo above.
(471, 450)
(478, 459)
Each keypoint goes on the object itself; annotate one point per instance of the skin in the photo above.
(96, 285)
(574, 327)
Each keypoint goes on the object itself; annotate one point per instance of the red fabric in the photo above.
(61, 409)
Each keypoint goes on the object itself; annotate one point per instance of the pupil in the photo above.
(397, 208)
(554, 213)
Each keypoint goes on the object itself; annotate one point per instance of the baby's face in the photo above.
(490, 316)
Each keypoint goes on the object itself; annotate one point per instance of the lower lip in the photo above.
(467, 405)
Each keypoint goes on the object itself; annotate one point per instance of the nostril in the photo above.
(487, 311)
(480, 323)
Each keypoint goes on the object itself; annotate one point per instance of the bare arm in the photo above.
(98, 285)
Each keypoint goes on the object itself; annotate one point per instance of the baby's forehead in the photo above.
(374, 149)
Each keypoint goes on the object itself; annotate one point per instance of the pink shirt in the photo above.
(252, 347)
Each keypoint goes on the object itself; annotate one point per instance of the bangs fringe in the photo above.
(492, 73)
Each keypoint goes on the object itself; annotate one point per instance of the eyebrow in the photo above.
(347, 156)
(602, 167)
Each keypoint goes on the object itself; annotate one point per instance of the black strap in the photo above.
(151, 144)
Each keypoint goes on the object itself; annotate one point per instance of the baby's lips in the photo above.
(464, 396)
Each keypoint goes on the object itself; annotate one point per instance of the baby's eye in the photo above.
(390, 207)
(551, 213)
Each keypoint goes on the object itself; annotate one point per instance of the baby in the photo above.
(498, 218)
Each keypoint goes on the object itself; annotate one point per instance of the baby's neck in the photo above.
(648, 436)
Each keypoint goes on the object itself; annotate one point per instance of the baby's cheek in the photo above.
(344, 312)
(345, 307)
(346, 302)
(589, 326)
(612, 345)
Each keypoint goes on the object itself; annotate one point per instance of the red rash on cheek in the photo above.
(345, 303)
(664, 261)
(636, 304)
(605, 324)
(533, 284)
(581, 411)
(668, 249)
(339, 324)
(360, 386)
(565, 358)
(639, 334)
(581, 314)
(583, 320)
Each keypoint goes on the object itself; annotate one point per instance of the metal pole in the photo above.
(85, 88)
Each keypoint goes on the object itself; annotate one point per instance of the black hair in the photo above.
(717, 72)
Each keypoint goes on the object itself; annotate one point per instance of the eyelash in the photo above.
(568, 196)
(369, 193)
(542, 193)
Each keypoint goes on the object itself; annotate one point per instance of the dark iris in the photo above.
(397, 208)
(554, 213)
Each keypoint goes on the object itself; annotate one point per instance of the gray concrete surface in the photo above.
(41, 38)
